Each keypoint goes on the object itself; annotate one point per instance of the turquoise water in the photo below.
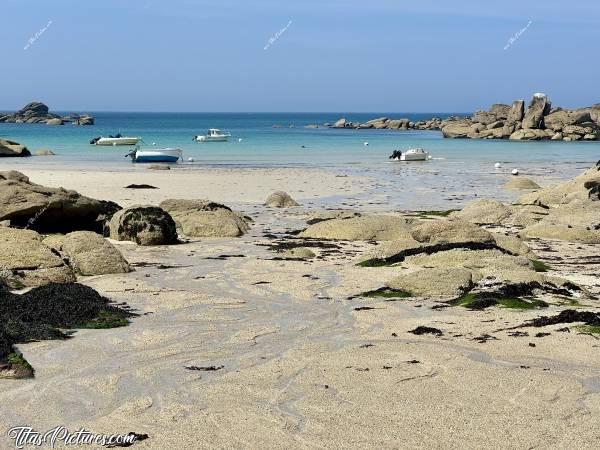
(460, 170)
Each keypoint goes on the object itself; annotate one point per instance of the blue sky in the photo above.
(381, 55)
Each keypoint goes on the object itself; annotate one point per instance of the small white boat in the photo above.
(169, 155)
(213, 135)
(115, 140)
(413, 154)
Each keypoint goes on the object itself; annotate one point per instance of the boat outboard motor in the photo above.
(93, 141)
(132, 154)
(396, 154)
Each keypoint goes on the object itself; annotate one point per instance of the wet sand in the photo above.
(302, 368)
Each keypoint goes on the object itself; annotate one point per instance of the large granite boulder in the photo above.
(450, 231)
(203, 218)
(144, 225)
(89, 253)
(516, 113)
(583, 187)
(457, 129)
(26, 262)
(484, 212)
(521, 183)
(280, 199)
(10, 148)
(50, 210)
(365, 228)
(341, 123)
(531, 135)
(537, 109)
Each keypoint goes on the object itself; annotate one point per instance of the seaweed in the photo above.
(386, 292)
(426, 330)
(480, 301)
(45, 313)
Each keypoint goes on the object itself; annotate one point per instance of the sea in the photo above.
(463, 169)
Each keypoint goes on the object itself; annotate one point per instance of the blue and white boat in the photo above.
(169, 155)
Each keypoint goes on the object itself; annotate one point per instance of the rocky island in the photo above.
(539, 121)
(37, 112)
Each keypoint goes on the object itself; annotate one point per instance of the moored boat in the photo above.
(413, 154)
(213, 135)
(115, 140)
(170, 155)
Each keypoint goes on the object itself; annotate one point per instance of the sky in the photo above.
(296, 55)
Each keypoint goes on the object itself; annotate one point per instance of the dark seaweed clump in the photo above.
(139, 219)
(45, 312)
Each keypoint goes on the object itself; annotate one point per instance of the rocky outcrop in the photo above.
(144, 225)
(26, 262)
(539, 121)
(280, 199)
(10, 148)
(50, 210)
(88, 253)
(37, 112)
(437, 282)
(203, 218)
(385, 123)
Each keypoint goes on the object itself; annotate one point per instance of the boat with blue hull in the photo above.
(168, 155)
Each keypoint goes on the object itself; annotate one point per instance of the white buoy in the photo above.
(190, 159)
(366, 144)
(497, 165)
(429, 157)
(240, 140)
(154, 143)
(515, 172)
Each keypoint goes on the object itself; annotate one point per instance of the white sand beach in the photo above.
(297, 366)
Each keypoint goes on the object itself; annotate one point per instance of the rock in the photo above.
(579, 188)
(496, 124)
(484, 212)
(340, 123)
(85, 120)
(457, 129)
(144, 225)
(529, 135)
(501, 111)
(50, 210)
(562, 232)
(484, 117)
(44, 152)
(298, 253)
(512, 244)
(482, 263)
(203, 218)
(26, 262)
(89, 253)
(365, 228)
(10, 148)
(525, 216)
(280, 199)
(54, 122)
(33, 109)
(516, 114)
(450, 231)
(439, 282)
(521, 183)
(538, 108)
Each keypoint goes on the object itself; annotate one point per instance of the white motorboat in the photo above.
(213, 135)
(115, 140)
(413, 154)
(170, 155)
